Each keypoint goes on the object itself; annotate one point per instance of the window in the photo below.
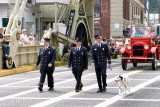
(97, 9)
(23, 21)
(37, 26)
(97, 32)
(5, 22)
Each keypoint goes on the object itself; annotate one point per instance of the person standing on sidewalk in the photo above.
(6, 48)
(46, 58)
(99, 56)
(78, 60)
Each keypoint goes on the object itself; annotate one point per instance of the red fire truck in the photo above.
(143, 46)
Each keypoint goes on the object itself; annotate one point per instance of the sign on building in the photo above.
(70, 22)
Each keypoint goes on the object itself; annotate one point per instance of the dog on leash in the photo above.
(123, 81)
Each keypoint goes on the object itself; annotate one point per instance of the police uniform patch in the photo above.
(95, 49)
(103, 48)
(82, 53)
(73, 52)
(48, 52)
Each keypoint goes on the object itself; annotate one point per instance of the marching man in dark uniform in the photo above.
(78, 60)
(99, 56)
(46, 58)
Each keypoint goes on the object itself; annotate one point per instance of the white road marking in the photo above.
(70, 94)
(136, 88)
(152, 88)
(86, 99)
(6, 85)
(35, 89)
(148, 100)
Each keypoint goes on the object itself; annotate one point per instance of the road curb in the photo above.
(24, 68)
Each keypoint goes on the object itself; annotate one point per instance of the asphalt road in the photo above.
(20, 90)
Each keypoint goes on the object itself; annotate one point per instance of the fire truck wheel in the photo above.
(124, 63)
(135, 64)
(154, 62)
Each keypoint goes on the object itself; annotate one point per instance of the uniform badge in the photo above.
(103, 48)
(82, 53)
(48, 52)
(73, 52)
(95, 49)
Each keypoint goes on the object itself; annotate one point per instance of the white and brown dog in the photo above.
(123, 81)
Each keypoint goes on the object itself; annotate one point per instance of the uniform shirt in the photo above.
(100, 54)
(46, 55)
(78, 59)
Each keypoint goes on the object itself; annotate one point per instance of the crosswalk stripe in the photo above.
(70, 94)
(136, 88)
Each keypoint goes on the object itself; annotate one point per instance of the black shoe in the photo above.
(104, 89)
(50, 89)
(81, 87)
(40, 88)
(99, 91)
(77, 90)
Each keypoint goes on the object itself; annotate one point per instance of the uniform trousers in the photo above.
(50, 78)
(101, 73)
(78, 75)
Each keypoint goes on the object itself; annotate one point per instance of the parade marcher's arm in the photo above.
(53, 57)
(70, 59)
(108, 55)
(39, 58)
(86, 60)
(92, 55)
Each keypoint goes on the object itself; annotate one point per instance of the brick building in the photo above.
(112, 16)
(102, 18)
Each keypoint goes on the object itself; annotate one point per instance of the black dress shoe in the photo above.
(104, 89)
(50, 89)
(81, 87)
(40, 88)
(77, 90)
(99, 91)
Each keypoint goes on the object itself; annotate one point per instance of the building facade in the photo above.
(102, 18)
(30, 20)
(35, 19)
(115, 16)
